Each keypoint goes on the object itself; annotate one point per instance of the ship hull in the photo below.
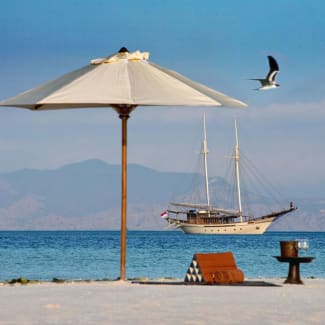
(255, 227)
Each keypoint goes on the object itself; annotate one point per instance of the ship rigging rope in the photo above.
(269, 188)
(231, 190)
(192, 194)
(191, 187)
(252, 183)
(232, 199)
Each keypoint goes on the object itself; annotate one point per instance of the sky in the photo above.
(218, 43)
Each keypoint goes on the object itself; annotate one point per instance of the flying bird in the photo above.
(269, 81)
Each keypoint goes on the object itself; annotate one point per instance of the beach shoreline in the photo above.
(167, 301)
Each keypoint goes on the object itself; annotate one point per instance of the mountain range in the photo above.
(86, 196)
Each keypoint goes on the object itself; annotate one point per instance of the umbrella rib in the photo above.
(129, 82)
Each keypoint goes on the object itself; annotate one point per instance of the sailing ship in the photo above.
(195, 218)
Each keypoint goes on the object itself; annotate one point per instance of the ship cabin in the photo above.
(208, 217)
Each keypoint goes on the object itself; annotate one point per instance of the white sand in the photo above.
(132, 303)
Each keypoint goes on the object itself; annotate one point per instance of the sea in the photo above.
(95, 255)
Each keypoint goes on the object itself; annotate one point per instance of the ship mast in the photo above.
(237, 173)
(205, 153)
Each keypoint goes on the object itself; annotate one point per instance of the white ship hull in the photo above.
(256, 227)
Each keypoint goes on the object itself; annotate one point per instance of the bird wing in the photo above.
(262, 81)
(274, 68)
(273, 64)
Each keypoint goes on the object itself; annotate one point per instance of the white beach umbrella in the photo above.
(122, 81)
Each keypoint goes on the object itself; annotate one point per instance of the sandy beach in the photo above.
(266, 301)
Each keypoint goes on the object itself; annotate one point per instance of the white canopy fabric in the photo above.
(124, 78)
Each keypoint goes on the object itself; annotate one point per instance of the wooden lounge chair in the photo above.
(214, 268)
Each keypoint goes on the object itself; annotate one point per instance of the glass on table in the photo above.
(303, 244)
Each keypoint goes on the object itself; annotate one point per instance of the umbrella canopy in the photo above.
(124, 78)
(122, 81)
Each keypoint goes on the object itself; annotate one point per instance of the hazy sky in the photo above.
(219, 43)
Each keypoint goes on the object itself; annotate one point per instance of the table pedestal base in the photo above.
(293, 274)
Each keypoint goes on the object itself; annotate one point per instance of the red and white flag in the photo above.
(163, 214)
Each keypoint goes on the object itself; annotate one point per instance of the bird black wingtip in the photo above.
(273, 63)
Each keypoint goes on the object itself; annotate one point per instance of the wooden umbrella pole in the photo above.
(124, 114)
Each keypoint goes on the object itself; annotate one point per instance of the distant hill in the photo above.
(86, 195)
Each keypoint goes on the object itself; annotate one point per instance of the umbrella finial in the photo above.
(123, 50)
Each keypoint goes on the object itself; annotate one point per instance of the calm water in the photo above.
(153, 254)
